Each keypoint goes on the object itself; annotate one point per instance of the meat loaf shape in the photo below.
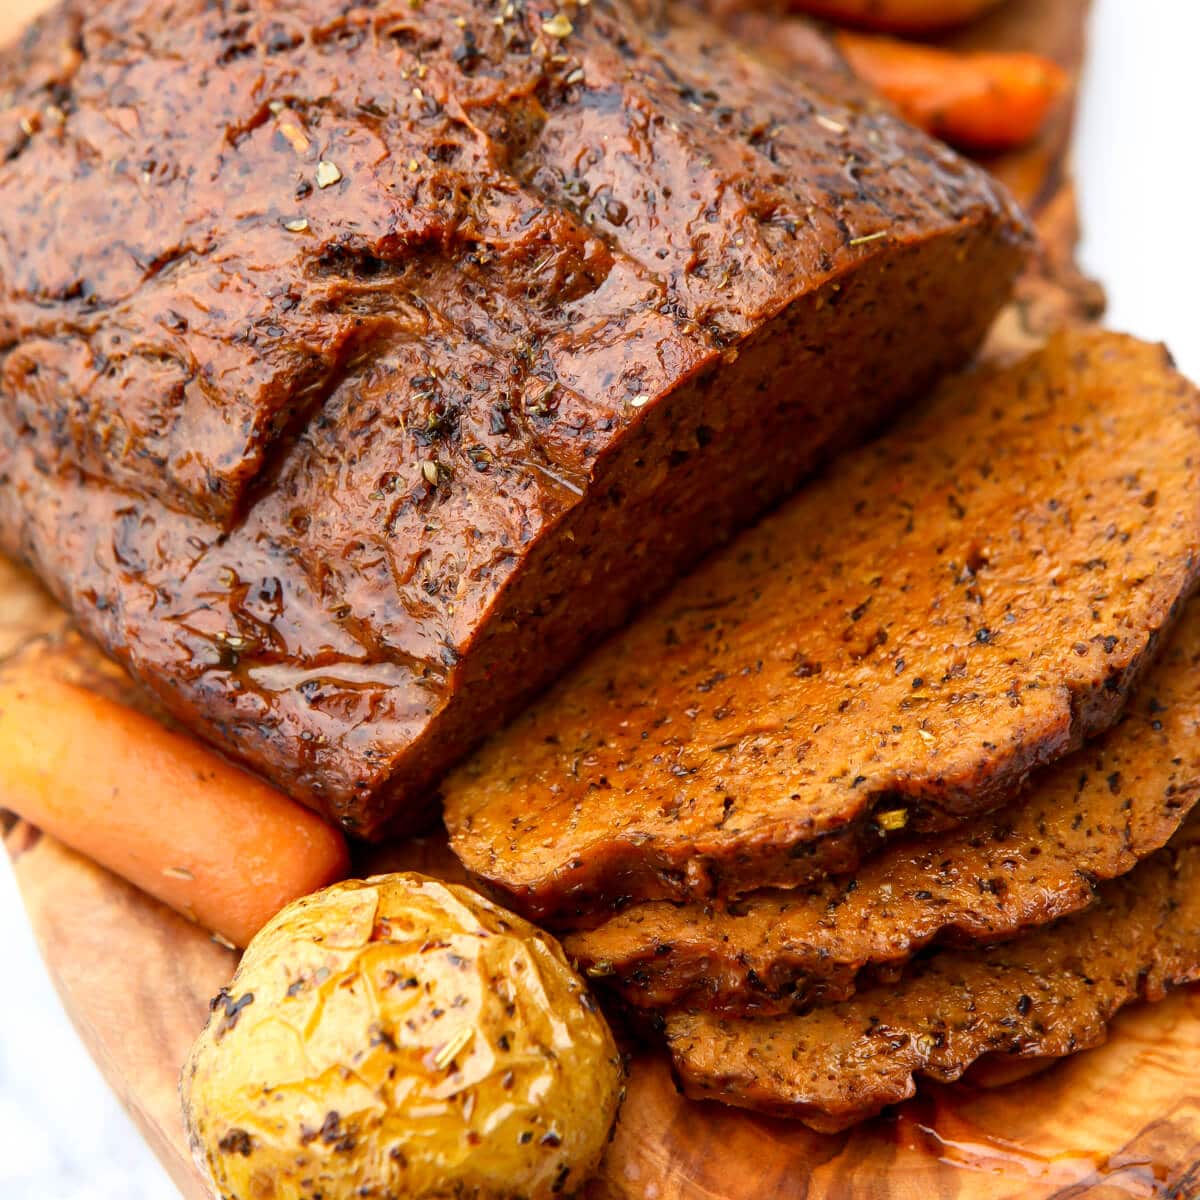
(895, 649)
(1088, 818)
(1046, 995)
(364, 363)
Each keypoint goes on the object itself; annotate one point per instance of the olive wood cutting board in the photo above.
(1122, 1120)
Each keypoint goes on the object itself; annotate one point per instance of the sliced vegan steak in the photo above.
(1089, 818)
(362, 364)
(1046, 995)
(895, 649)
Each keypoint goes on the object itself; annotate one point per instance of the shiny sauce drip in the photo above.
(935, 1125)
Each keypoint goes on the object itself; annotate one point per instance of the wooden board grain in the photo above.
(1054, 291)
(1120, 1121)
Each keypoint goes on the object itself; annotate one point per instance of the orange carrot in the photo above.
(162, 811)
(978, 101)
(897, 16)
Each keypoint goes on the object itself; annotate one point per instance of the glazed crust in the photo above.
(1089, 818)
(897, 648)
(1044, 996)
(364, 364)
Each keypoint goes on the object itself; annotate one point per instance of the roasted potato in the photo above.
(897, 16)
(401, 1037)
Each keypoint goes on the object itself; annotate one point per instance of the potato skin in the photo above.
(401, 1038)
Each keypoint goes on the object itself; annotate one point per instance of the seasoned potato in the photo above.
(401, 1037)
(898, 16)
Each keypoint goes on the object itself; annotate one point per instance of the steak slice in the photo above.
(896, 648)
(361, 367)
(1046, 995)
(1089, 818)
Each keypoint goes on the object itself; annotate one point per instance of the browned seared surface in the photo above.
(896, 648)
(789, 43)
(1089, 818)
(1046, 995)
(363, 363)
(1052, 291)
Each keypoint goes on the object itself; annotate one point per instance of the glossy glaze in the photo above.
(1090, 817)
(894, 650)
(363, 363)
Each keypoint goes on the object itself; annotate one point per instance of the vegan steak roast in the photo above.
(364, 363)
(1047, 995)
(1090, 817)
(609, 421)
(893, 651)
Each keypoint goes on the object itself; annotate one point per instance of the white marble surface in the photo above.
(1140, 171)
(62, 1134)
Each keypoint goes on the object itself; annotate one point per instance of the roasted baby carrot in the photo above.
(897, 16)
(978, 101)
(157, 808)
